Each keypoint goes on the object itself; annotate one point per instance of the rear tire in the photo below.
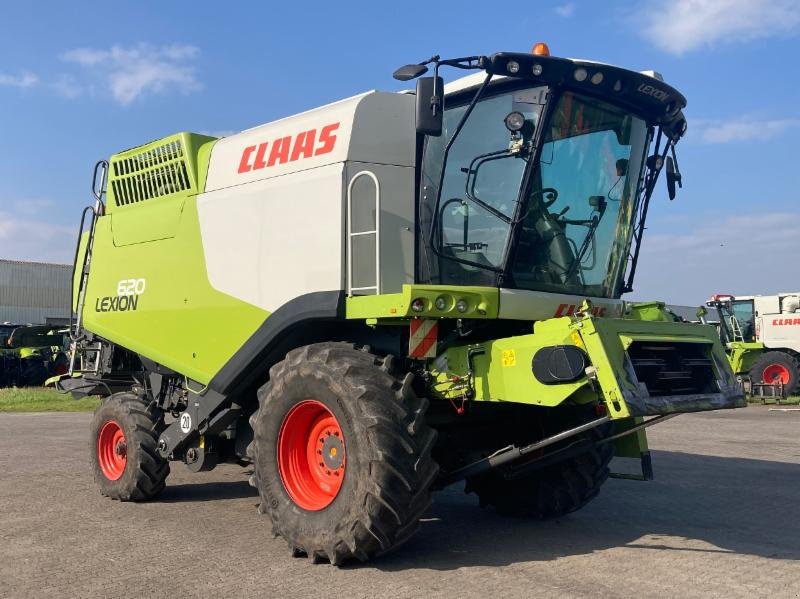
(383, 454)
(776, 366)
(123, 448)
(554, 490)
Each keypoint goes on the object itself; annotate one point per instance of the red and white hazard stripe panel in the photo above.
(422, 340)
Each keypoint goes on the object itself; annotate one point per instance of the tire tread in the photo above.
(398, 440)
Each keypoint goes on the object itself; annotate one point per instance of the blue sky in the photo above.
(80, 82)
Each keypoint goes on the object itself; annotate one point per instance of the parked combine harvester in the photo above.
(389, 294)
(29, 354)
(762, 336)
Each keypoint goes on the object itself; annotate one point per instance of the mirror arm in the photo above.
(435, 101)
(466, 63)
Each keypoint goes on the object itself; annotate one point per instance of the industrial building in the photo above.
(34, 292)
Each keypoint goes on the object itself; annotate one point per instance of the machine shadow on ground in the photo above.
(724, 505)
(207, 491)
(696, 503)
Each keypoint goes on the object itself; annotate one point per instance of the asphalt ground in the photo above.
(720, 519)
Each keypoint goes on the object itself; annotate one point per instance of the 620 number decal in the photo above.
(131, 287)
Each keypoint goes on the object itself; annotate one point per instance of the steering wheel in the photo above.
(547, 202)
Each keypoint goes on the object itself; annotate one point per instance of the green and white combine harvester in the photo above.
(762, 336)
(389, 294)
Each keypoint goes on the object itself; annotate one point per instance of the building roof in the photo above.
(32, 263)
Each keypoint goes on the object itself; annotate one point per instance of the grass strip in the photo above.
(39, 399)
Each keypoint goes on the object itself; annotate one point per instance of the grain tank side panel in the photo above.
(175, 316)
(274, 214)
(271, 241)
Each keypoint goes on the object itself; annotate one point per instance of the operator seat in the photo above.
(544, 253)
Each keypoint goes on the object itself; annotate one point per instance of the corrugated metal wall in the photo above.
(32, 292)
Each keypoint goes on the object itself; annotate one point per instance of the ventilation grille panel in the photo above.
(157, 172)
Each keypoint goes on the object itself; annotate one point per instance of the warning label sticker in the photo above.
(508, 358)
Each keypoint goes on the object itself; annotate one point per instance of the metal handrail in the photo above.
(98, 191)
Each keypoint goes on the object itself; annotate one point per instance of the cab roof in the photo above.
(641, 92)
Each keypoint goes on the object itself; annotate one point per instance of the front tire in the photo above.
(342, 453)
(123, 448)
(555, 490)
(776, 367)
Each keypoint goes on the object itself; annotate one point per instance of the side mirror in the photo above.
(430, 96)
(673, 177)
(409, 72)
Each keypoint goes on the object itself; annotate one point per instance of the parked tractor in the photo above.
(762, 337)
(407, 290)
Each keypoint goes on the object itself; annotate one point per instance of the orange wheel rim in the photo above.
(776, 373)
(312, 458)
(112, 450)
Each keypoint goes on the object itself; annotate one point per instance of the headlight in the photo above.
(443, 303)
(514, 121)
(462, 305)
(418, 305)
(513, 67)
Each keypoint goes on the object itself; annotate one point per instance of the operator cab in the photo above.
(542, 174)
(736, 318)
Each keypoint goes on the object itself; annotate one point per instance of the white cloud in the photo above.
(23, 81)
(565, 10)
(681, 26)
(25, 238)
(743, 128)
(31, 206)
(67, 86)
(743, 254)
(131, 72)
(87, 56)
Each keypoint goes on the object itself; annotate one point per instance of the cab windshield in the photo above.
(562, 224)
(578, 218)
(738, 321)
